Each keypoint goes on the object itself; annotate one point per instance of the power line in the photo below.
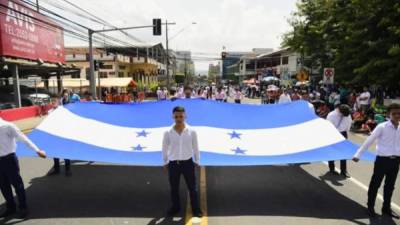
(103, 21)
(74, 23)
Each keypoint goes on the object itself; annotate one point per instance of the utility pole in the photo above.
(166, 45)
(167, 48)
(92, 78)
(185, 82)
(37, 5)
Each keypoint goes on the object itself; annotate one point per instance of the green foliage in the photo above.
(360, 38)
(151, 86)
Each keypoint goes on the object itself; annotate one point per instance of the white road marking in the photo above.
(365, 188)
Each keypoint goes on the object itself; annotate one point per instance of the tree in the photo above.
(360, 38)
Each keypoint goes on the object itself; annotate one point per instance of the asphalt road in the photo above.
(98, 194)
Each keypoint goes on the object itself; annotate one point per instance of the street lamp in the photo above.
(167, 46)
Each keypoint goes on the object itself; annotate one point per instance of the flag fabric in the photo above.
(228, 134)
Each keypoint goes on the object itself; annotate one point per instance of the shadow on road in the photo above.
(96, 191)
(278, 191)
(102, 191)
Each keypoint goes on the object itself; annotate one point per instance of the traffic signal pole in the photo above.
(92, 78)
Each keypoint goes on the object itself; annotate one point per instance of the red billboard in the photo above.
(29, 35)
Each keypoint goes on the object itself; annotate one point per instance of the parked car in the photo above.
(7, 106)
(40, 99)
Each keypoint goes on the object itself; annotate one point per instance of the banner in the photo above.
(26, 34)
(228, 134)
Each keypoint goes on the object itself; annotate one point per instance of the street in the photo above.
(121, 99)
(114, 194)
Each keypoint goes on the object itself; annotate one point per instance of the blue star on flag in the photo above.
(234, 134)
(239, 151)
(143, 133)
(138, 148)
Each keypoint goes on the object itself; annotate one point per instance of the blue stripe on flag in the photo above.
(66, 148)
(199, 112)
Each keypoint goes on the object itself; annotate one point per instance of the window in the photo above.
(122, 67)
(103, 74)
(107, 67)
(120, 74)
(111, 73)
(285, 60)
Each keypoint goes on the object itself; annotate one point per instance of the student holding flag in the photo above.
(341, 119)
(387, 137)
(9, 168)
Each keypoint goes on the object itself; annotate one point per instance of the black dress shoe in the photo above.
(173, 211)
(198, 214)
(390, 213)
(22, 213)
(333, 172)
(345, 174)
(371, 212)
(7, 213)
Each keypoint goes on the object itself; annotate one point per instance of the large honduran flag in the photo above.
(229, 134)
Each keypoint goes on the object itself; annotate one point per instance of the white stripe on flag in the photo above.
(309, 135)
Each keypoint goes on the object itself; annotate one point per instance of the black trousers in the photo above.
(10, 176)
(57, 164)
(343, 163)
(388, 168)
(187, 169)
(237, 101)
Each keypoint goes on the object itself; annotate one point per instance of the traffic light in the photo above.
(223, 55)
(156, 27)
(96, 66)
(101, 64)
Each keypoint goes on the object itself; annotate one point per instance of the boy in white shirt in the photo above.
(387, 137)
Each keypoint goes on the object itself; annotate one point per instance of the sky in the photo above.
(239, 25)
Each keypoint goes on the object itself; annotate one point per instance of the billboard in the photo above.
(26, 34)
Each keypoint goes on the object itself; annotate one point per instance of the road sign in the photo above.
(329, 75)
(302, 75)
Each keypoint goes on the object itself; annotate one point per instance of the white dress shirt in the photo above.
(9, 134)
(341, 122)
(220, 95)
(284, 98)
(388, 140)
(238, 95)
(367, 97)
(180, 146)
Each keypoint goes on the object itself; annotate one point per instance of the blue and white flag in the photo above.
(228, 134)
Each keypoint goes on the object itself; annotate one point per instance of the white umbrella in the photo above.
(270, 78)
(299, 83)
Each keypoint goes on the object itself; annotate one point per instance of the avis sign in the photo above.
(329, 75)
(26, 34)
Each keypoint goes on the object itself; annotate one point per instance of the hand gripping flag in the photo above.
(228, 134)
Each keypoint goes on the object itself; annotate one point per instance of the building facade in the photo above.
(184, 66)
(143, 64)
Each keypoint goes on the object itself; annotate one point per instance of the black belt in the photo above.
(180, 161)
(7, 156)
(390, 157)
